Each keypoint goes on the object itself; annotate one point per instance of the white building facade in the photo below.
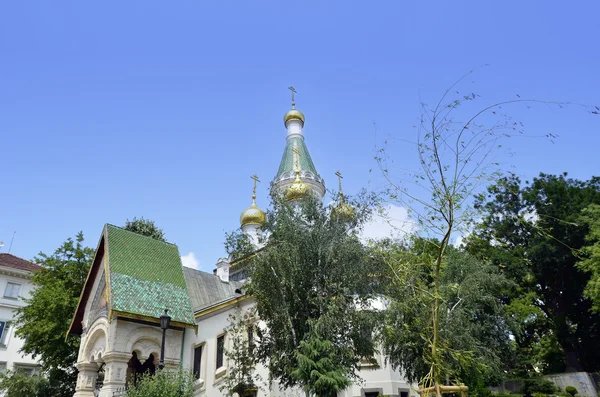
(134, 278)
(15, 284)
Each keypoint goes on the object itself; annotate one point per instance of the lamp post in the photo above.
(165, 321)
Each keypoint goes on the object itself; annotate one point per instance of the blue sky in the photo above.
(110, 110)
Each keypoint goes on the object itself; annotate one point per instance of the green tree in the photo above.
(179, 383)
(590, 262)
(313, 267)
(240, 354)
(534, 232)
(145, 227)
(319, 369)
(454, 149)
(43, 323)
(16, 384)
(473, 324)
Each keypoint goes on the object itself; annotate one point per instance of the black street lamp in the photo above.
(165, 321)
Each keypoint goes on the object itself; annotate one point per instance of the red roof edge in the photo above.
(14, 262)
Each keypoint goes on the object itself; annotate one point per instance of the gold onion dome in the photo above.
(253, 215)
(343, 211)
(297, 190)
(293, 114)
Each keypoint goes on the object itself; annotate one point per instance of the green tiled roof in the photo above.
(288, 161)
(146, 276)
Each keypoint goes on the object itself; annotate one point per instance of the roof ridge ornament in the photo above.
(291, 88)
(297, 158)
(341, 193)
(255, 179)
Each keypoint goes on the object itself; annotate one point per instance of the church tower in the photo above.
(296, 170)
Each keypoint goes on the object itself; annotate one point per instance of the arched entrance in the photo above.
(136, 369)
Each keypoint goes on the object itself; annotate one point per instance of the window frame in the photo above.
(5, 333)
(222, 355)
(250, 332)
(12, 284)
(200, 382)
(29, 370)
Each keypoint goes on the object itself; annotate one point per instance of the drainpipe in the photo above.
(182, 342)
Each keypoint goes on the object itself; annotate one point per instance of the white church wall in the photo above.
(380, 378)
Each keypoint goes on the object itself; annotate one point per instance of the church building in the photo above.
(134, 278)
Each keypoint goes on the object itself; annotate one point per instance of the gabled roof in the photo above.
(207, 290)
(144, 277)
(14, 262)
(288, 160)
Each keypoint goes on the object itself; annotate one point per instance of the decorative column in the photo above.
(86, 379)
(115, 373)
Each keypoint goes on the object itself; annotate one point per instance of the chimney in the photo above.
(223, 269)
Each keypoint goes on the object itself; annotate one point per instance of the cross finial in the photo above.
(255, 178)
(291, 88)
(339, 175)
(295, 150)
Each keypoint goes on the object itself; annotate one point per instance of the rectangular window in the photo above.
(220, 350)
(197, 361)
(372, 394)
(251, 339)
(26, 370)
(12, 290)
(4, 331)
(2, 368)
(403, 393)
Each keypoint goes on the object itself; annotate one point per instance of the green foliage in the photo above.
(238, 244)
(534, 233)
(145, 227)
(590, 262)
(507, 394)
(16, 384)
(240, 354)
(571, 390)
(179, 383)
(481, 391)
(532, 386)
(43, 323)
(313, 267)
(474, 327)
(318, 367)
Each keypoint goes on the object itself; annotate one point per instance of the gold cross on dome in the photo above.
(295, 150)
(291, 88)
(255, 178)
(339, 175)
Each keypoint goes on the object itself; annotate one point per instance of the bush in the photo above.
(165, 383)
(539, 395)
(538, 385)
(506, 394)
(571, 390)
(16, 384)
(480, 392)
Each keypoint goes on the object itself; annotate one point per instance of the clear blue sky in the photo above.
(110, 110)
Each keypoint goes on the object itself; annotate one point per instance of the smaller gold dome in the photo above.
(253, 215)
(293, 114)
(343, 212)
(297, 190)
